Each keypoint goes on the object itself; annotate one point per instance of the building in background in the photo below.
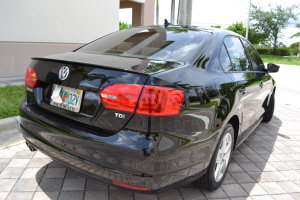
(38, 28)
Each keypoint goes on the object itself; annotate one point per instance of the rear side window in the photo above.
(151, 43)
(225, 60)
(237, 54)
(257, 63)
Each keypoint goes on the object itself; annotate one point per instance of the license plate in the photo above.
(66, 98)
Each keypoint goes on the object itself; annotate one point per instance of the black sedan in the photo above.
(148, 108)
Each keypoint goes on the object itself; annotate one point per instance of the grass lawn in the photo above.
(10, 99)
(293, 60)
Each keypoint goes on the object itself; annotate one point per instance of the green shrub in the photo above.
(283, 51)
(123, 25)
(264, 51)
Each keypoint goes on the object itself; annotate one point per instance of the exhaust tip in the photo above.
(31, 148)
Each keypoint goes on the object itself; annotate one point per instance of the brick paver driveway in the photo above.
(265, 166)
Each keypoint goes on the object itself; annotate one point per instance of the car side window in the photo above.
(225, 60)
(237, 54)
(257, 63)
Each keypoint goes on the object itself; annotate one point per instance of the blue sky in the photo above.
(213, 12)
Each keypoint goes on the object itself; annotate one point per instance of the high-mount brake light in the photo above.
(160, 101)
(144, 100)
(121, 96)
(31, 78)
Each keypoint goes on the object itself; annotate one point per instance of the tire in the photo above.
(269, 110)
(216, 171)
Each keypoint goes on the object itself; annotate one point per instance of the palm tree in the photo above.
(185, 12)
(172, 18)
(157, 12)
(297, 35)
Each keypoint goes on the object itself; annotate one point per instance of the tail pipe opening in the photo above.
(31, 148)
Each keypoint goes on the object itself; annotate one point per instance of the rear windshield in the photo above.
(153, 43)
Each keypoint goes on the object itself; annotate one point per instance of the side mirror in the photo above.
(273, 68)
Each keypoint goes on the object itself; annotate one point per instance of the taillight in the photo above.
(144, 100)
(129, 186)
(121, 96)
(30, 78)
(160, 101)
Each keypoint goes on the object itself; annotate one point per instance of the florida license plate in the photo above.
(66, 98)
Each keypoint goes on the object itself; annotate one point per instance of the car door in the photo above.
(264, 79)
(246, 85)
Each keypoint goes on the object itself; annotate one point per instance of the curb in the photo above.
(10, 132)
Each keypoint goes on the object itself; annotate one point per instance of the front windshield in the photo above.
(153, 43)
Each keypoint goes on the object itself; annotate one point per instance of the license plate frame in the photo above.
(66, 98)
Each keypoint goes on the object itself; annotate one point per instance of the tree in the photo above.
(157, 12)
(253, 35)
(272, 22)
(297, 35)
(185, 12)
(172, 19)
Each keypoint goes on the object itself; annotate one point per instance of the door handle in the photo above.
(261, 84)
(242, 90)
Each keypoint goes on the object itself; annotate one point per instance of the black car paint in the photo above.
(153, 152)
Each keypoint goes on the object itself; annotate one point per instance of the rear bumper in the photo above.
(156, 184)
(127, 157)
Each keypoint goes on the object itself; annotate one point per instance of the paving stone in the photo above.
(228, 179)
(240, 158)
(26, 184)
(280, 166)
(253, 189)
(272, 188)
(276, 176)
(24, 155)
(125, 194)
(265, 166)
(39, 162)
(255, 158)
(94, 184)
(18, 163)
(262, 197)
(289, 186)
(191, 193)
(33, 173)
(282, 197)
(55, 164)
(45, 195)
(20, 195)
(11, 172)
(296, 195)
(7, 184)
(249, 167)
(234, 167)
(292, 175)
(73, 184)
(74, 195)
(242, 177)
(219, 193)
(3, 195)
(103, 195)
(55, 173)
(50, 185)
(73, 174)
(234, 190)
(4, 162)
(39, 154)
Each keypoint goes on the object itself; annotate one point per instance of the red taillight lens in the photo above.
(160, 101)
(154, 100)
(121, 96)
(129, 186)
(30, 78)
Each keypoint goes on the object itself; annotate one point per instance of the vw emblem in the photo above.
(63, 73)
